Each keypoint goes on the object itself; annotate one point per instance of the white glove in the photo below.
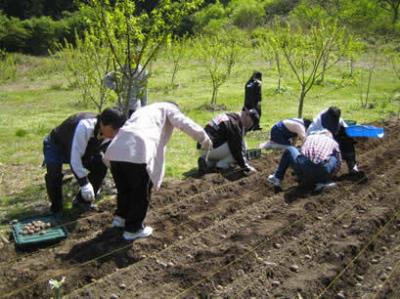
(87, 192)
(250, 168)
(207, 144)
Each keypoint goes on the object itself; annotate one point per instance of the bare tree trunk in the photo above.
(301, 102)
(278, 65)
(214, 96)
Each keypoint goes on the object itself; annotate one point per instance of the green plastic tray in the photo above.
(52, 234)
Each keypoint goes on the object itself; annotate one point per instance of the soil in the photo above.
(231, 236)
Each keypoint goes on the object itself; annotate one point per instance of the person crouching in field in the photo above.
(79, 141)
(314, 165)
(227, 133)
(137, 155)
(284, 133)
(330, 120)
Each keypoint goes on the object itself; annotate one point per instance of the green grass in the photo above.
(38, 100)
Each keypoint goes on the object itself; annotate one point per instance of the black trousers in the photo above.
(53, 178)
(347, 149)
(134, 191)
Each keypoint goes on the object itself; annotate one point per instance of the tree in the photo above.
(134, 35)
(218, 54)
(87, 61)
(176, 51)
(304, 50)
(270, 47)
(393, 6)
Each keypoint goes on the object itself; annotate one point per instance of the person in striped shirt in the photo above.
(315, 164)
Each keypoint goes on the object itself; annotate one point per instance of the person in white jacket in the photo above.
(137, 155)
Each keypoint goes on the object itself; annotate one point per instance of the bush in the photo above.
(38, 35)
(8, 67)
(246, 13)
(213, 13)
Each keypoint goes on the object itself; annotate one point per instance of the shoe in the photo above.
(274, 180)
(118, 222)
(202, 165)
(322, 186)
(78, 203)
(142, 233)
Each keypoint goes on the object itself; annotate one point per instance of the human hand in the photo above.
(87, 192)
(207, 144)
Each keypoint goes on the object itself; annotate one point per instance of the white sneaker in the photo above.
(118, 222)
(274, 180)
(142, 233)
(323, 186)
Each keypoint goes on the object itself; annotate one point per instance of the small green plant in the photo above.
(56, 286)
(21, 132)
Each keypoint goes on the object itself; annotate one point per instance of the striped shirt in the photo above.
(319, 147)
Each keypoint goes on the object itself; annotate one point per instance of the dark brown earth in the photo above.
(229, 236)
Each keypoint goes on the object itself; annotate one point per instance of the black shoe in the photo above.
(202, 166)
(358, 176)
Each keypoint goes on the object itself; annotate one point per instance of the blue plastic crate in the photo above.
(365, 131)
(52, 234)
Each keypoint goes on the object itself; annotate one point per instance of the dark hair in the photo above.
(113, 117)
(257, 75)
(334, 112)
(307, 122)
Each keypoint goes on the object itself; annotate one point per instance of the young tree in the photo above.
(269, 47)
(304, 51)
(135, 35)
(176, 51)
(218, 53)
(370, 68)
(87, 61)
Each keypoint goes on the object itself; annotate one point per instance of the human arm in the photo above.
(187, 125)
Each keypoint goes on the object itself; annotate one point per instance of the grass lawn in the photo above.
(39, 99)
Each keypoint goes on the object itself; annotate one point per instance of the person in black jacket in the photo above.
(79, 141)
(227, 132)
(252, 95)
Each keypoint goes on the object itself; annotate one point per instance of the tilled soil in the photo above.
(231, 236)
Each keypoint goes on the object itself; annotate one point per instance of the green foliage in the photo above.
(87, 63)
(176, 51)
(8, 67)
(134, 36)
(212, 17)
(218, 53)
(309, 52)
(246, 13)
(38, 35)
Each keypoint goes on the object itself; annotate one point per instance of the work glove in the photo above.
(249, 169)
(87, 192)
(206, 144)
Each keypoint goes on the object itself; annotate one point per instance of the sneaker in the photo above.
(202, 165)
(274, 180)
(141, 233)
(118, 222)
(322, 186)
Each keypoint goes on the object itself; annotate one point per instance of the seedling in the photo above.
(56, 286)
